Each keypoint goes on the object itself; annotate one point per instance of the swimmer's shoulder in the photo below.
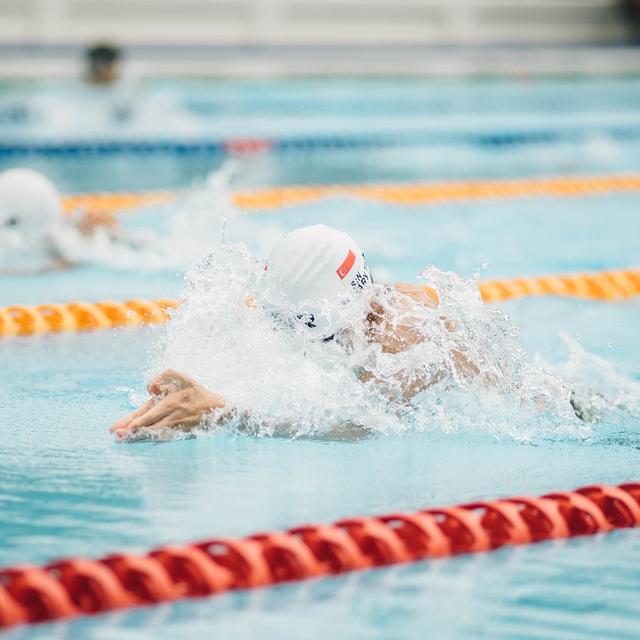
(420, 293)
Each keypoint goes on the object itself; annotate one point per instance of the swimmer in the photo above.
(34, 228)
(103, 64)
(308, 268)
(110, 91)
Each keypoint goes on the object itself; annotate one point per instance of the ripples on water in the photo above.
(68, 489)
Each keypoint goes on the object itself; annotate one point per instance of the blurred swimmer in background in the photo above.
(115, 97)
(103, 64)
(317, 282)
(36, 234)
(113, 92)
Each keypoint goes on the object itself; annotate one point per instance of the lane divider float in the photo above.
(396, 194)
(609, 286)
(114, 202)
(22, 320)
(491, 139)
(74, 587)
(440, 192)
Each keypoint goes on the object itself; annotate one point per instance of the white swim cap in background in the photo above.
(29, 203)
(30, 221)
(317, 266)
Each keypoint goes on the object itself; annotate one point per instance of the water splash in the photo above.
(207, 215)
(465, 364)
(194, 227)
(126, 108)
(606, 391)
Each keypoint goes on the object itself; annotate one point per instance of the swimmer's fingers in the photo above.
(158, 411)
(175, 420)
(183, 409)
(162, 382)
(172, 421)
(133, 426)
(169, 381)
(175, 417)
(124, 422)
(162, 389)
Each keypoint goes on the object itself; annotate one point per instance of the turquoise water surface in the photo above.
(67, 488)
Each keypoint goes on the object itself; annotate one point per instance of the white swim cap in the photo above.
(29, 204)
(315, 267)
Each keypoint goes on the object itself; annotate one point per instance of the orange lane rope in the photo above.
(605, 285)
(82, 316)
(438, 192)
(76, 586)
(400, 194)
(85, 316)
(113, 202)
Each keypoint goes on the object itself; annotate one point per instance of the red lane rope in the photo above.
(75, 586)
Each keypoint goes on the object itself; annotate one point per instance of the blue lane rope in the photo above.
(211, 147)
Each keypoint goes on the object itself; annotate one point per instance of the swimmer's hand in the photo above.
(178, 402)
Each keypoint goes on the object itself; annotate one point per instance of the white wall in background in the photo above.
(310, 21)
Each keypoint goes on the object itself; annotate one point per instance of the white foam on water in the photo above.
(206, 214)
(194, 228)
(281, 380)
(608, 392)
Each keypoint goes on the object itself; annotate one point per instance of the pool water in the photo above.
(601, 112)
(66, 488)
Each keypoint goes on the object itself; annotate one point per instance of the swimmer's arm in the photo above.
(400, 386)
(396, 337)
(87, 222)
(179, 402)
(420, 293)
(58, 263)
(427, 296)
(463, 365)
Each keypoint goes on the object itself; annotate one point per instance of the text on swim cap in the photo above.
(361, 280)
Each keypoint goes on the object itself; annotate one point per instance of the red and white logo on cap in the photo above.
(346, 265)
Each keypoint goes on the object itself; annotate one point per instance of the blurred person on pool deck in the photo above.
(310, 267)
(36, 234)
